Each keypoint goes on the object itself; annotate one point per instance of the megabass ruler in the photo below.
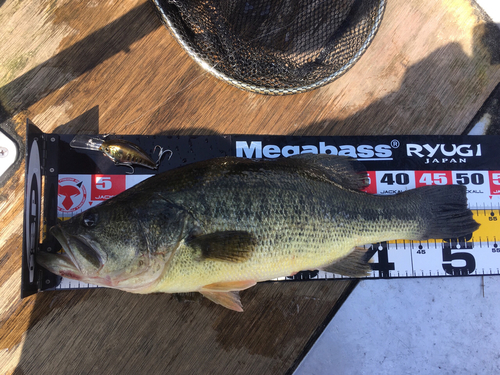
(78, 179)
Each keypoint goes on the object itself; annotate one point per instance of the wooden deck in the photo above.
(111, 67)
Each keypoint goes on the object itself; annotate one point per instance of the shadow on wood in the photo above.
(78, 59)
(442, 69)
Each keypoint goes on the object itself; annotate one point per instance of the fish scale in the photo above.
(318, 240)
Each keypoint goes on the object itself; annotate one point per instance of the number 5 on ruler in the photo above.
(451, 253)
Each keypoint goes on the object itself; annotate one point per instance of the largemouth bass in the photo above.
(222, 225)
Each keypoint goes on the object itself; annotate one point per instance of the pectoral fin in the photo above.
(231, 246)
(356, 264)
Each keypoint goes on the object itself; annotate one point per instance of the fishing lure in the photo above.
(121, 152)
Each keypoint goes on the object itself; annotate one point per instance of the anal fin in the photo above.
(356, 264)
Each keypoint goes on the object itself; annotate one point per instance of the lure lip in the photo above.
(86, 142)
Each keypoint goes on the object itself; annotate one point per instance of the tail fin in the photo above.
(444, 211)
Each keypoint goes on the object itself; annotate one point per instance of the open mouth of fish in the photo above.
(67, 264)
(81, 261)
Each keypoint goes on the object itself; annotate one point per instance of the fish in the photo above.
(222, 225)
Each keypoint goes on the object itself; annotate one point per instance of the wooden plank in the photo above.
(105, 331)
(111, 67)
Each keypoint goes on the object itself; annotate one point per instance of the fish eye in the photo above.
(89, 220)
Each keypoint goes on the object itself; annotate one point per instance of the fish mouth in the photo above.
(84, 262)
(86, 251)
(59, 264)
(76, 251)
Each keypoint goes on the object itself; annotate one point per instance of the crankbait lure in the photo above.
(121, 152)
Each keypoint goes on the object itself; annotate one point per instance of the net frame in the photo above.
(360, 25)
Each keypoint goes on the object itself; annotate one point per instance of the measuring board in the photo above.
(75, 180)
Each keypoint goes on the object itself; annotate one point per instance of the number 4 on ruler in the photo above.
(382, 265)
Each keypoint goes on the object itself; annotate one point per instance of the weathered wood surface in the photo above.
(84, 65)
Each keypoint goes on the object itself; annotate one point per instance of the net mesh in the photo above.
(273, 46)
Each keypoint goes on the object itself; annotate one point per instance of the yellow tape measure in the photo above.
(490, 225)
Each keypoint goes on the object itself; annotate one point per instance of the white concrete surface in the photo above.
(413, 326)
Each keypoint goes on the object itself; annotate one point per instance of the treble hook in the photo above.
(126, 165)
(161, 153)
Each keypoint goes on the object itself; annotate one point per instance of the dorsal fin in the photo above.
(342, 170)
